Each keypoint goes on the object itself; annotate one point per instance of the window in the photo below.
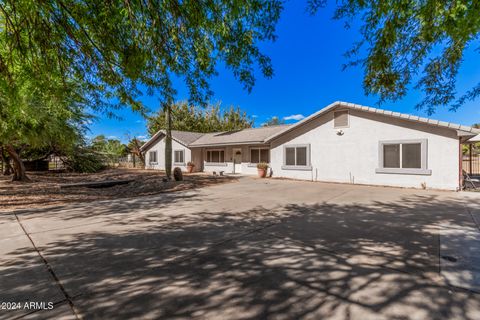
(412, 155)
(178, 156)
(258, 155)
(152, 156)
(290, 156)
(340, 119)
(391, 156)
(301, 155)
(297, 157)
(408, 157)
(217, 156)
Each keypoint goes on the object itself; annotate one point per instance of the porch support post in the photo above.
(470, 147)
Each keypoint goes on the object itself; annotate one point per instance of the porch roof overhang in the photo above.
(226, 144)
(474, 139)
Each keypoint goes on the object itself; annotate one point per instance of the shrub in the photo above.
(84, 160)
(262, 165)
(177, 174)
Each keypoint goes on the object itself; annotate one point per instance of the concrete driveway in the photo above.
(251, 249)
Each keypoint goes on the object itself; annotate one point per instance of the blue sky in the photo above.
(307, 58)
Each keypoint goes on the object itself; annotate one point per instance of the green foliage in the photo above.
(110, 149)
(273, 121)
(134, 146)
(39, 116)
(112, 49)
(41, 108)
(475, 148)
(83, 159)
(109, 146)
(262, 166)
(405, 39)
(186, 117)
(60, 58)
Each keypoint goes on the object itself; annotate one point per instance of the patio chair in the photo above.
(467, 179)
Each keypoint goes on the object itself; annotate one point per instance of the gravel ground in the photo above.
(45, 188)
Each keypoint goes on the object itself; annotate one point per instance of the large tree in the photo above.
(412, 40)
(37, 116)
(112, 49)
(134, 146)
(111, 149)
(212, 118)
(273, 121)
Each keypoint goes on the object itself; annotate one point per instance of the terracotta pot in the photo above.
(262, 173)
(190, 169)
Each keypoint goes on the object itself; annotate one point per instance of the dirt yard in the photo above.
(45, 188)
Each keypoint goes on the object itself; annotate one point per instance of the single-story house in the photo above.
(343, 142)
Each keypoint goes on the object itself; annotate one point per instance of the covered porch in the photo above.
(471, 156)
(471, 160)
(233, 159)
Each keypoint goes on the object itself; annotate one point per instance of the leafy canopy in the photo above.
(40, 116)
(405, 39)
(60, 59)
(187, 117)
(112, 48)
(109, 146)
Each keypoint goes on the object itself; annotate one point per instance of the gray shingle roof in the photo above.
(186, 137)
(267, 134)
(183, 137)
(245, 136)
(196, 139)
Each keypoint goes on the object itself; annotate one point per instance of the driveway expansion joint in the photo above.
(50, 270)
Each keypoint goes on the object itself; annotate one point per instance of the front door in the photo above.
(237, 160)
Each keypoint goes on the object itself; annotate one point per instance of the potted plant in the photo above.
(262, 169)
(190, 166)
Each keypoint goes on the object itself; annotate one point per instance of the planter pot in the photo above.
(190, 169)
(262, 173)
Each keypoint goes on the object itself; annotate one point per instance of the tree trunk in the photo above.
(139, 152)
(7, 167)
(19, 172)
(141, 156)
(168, 140)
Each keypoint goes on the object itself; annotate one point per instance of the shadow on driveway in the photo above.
(302, 261)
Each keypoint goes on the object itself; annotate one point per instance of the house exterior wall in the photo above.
(228, 166)
(354, 156)
(197, 159)
(199, 155)
(160, 148)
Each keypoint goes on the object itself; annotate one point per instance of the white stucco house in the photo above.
(343, 142)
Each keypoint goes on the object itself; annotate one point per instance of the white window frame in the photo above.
(251, 164)
(224, 163)
(306, 167)
(150, 157)
(348, 119)
(181, 163)
(423, 170)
